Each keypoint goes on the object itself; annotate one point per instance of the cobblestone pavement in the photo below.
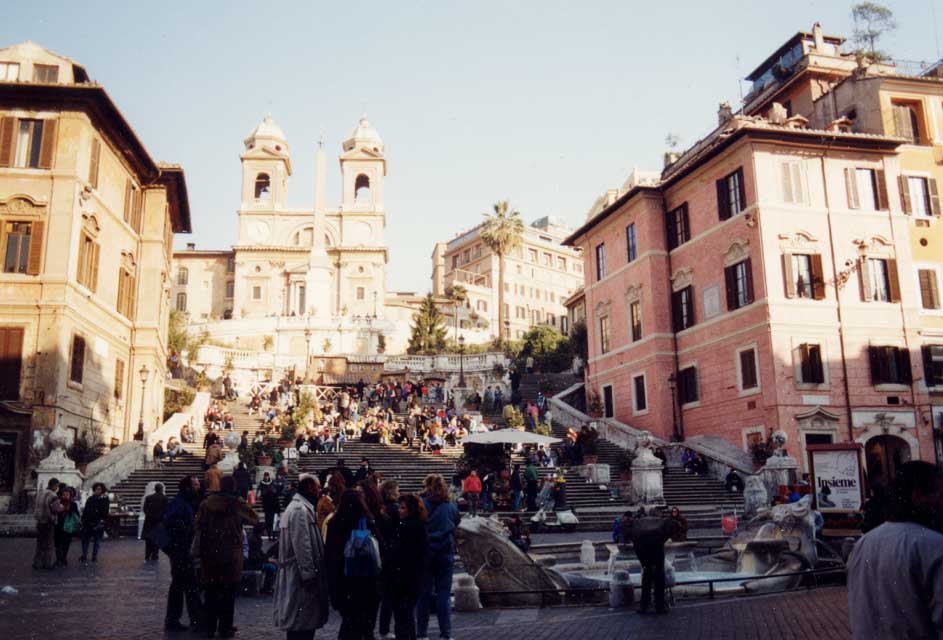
(122, 597)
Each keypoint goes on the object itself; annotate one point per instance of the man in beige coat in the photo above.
(47, 514)
(301, 589)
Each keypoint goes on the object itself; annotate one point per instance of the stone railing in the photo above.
(193, 415)
(115, 466)
(132, 455)
(625, 436)
(474, 362)
(211, 355)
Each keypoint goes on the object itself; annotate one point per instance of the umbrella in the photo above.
(508, 436)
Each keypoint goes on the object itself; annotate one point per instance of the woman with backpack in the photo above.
(437, 576)
(352, 550)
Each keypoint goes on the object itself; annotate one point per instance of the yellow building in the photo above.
(540, 274)
(87, 219)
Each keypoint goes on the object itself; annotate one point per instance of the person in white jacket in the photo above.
(301, 589)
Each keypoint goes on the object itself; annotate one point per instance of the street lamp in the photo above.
(307, 352)
(674, 415)
(374, 304)
(461, 361)
(144, 373)
(507, 334)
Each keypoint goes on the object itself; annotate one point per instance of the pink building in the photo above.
(758, 287)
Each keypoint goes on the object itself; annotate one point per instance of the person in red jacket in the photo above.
(472, 489)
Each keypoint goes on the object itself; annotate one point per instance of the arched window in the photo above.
(263, 186)
(362, 188)
(181, 301)
(305, 237)
(183, 276)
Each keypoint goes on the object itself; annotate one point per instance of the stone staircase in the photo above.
(700, 499)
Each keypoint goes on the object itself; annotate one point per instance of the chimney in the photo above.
(724, 112)
(191, 246)
(777, 113)
(671, 157)
(818, 37)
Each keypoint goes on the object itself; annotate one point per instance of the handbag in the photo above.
(71, 522)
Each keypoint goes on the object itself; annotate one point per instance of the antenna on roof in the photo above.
(740, 81)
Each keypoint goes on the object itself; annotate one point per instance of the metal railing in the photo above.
(563, 595)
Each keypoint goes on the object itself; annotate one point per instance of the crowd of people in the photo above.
(381, 559)
(59, 520)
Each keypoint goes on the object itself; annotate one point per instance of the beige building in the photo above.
(541, 273)
(87, 219)
(299, 282)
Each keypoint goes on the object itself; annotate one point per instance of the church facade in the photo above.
(299, 280)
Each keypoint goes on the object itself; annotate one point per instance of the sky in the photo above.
(547, 104)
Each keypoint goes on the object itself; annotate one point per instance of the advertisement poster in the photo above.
(837, 478)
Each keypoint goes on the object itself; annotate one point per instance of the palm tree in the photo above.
(458, 294)
(502, 231)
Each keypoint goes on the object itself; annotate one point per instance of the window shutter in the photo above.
(119, 379)
(818, 277)
(723, 202)
(131, 296)
(934, 197)
(817, 368)
(851, 188)
(82, 270)
(136, 207)
(893, 280)
(122, 286)
(864, 277)
(805, 364)
(789, 276)
(671, 222)
(93, 271)
(686, 227)
(676, 311)
(905, 194)
(881, 181)
(129, 199)
(47, 148)
(903, 126)
(874, 358)
(742, 189)
(798, 183)
(786, 179)
(730, 280)
(748, 266)
(7, 137)
(34, 264)
(93, 163)
(903, 365)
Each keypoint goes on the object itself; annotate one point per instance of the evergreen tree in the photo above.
(428, 329)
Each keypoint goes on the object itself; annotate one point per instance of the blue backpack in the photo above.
(362, 553)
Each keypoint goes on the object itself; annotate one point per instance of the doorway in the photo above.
(883, 456)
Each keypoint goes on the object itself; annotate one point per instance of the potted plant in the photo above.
(543, 429)
(261, 454)
(514, 419)
(594, 404)
(591, 447)
(624, 463)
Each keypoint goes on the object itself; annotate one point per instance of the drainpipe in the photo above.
(677, 428)
(903, 326)
(841, 326)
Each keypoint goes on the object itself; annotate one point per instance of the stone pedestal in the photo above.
(778, 471)
(598, 473)
(647, 482)
(229, 463)
(460, 395)
(621, 592)
(755, 496)
(57, 464)
(466, 594)
(587, 553)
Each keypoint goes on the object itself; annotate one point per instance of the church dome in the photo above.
(364, 136)
(267, 130)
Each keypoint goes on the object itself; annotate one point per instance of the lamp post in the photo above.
(461, 361)
(507, 334)
(674, 415)
(307, 352)
(144, 373)
(374, 304)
